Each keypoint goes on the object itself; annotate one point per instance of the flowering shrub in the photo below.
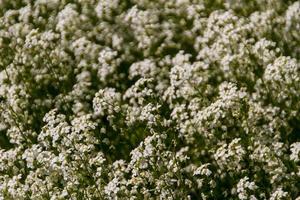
(149, 99)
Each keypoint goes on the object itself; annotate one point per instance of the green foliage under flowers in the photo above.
(149, 99)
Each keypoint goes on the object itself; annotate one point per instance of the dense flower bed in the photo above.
(149, 99)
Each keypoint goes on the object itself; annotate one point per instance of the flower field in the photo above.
(149, 99)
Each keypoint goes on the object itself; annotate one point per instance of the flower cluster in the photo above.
(149, 99)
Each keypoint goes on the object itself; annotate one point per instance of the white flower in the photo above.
(244, 186)
(295, 149)
(278, 194)
(203, 170)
